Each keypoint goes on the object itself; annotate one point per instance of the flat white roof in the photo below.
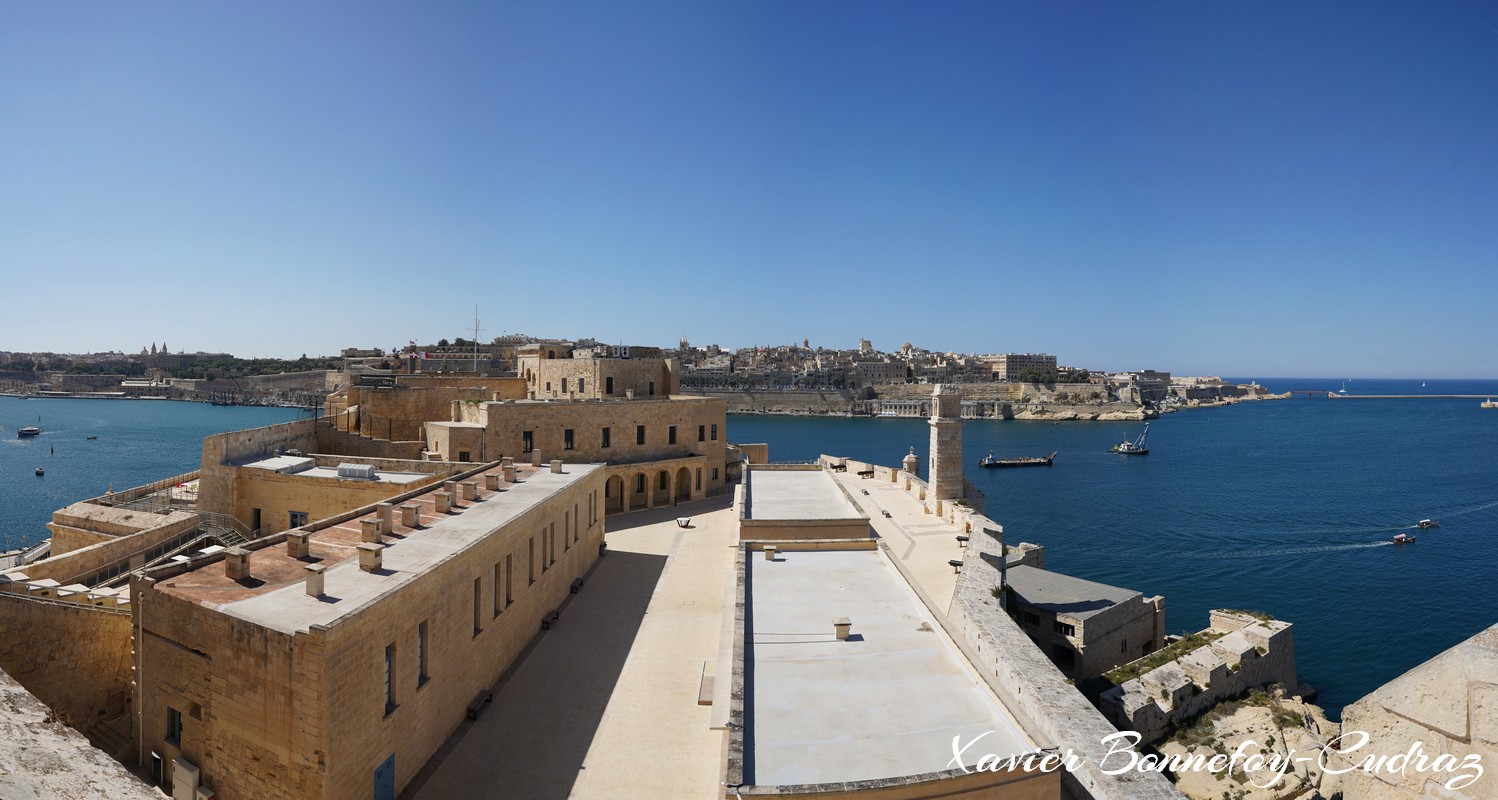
(883, 704)
(796, 494)
(303, 467)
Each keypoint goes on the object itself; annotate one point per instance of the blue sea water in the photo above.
(139, 441)
(1283, 506)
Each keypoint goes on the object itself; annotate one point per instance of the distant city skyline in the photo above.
(1271, 189)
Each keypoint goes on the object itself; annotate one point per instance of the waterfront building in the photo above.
(658, 450)
(1009, 366)
(1085, 627)
(331, 661)
(562, 371)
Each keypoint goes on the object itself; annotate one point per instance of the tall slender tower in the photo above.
(945, 481)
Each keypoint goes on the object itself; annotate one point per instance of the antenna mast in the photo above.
(475, 338)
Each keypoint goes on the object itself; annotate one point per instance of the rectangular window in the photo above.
(701, 433)
(580, 389)
(564, 386)
(1031, 618)
(577, 520)
(639, 434)
(174, 726)
(699, 477)
(478, 599)
(530, 557)
(553, 529)
(545, 550)
(606, 442)
(548, 386)
(671, 435)
(508, 583)
(499, 602)
(1065, 629)
(652, 387)
(463, 455)
(421, 655)
(566, 526)
(715, 473)
(566, 438)
(715, 433)
(297, 519)
(389, 678)
(527, 441)
(608, 385)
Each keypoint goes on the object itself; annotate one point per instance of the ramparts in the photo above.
(1245, 652)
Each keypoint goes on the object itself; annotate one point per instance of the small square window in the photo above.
(297, 519)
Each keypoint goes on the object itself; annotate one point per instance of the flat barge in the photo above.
(1031, 461)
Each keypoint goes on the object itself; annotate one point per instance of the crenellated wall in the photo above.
(1249, 652)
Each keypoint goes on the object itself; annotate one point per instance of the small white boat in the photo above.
(1402, 538)
(29, 431)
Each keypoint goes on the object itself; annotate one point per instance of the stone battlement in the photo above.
(1245, 652)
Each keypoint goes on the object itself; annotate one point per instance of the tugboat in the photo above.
(1402, 538)
(1032, 461)
(1134, 448)
(29, 431)
(1427, 524)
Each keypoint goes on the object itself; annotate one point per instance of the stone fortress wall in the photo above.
(1013, 667)
(1249, 653)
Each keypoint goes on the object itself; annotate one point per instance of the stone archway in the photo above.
(660, 488)
(683, 485)
(639, 491)
(613, 494)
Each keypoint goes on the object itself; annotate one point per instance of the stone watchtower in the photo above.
(945, 480)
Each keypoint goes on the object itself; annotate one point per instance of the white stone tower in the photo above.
(945, 480)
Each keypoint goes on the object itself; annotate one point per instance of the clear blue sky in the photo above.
(1242, 188)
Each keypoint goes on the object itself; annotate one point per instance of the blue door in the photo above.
(385, 780)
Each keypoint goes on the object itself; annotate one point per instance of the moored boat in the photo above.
(1029, 461)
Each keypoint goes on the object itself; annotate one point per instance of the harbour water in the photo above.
(1285, 507)
(139, 441)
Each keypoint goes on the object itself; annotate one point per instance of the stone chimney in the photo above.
(369, 530)
(236, 563)
(556, 466)
(298, 544)
(314, 579)
(371, 556)
(841, 626)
